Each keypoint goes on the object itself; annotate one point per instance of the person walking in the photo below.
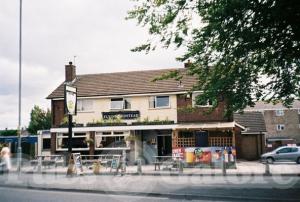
(5, 156)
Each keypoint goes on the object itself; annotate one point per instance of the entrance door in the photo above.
(201, 138)
(164, 145)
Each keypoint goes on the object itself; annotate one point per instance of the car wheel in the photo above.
(270, 160)
(298, 160)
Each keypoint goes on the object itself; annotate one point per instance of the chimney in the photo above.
(70, 72)
(187, 64)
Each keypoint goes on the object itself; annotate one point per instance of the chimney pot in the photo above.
(187, 64)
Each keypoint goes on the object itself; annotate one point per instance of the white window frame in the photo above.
(194, 95)
(112, 134)
(280, 127)
(279, 112)
(124, 100)
(65, 135)
(81, 105)
(154, 99)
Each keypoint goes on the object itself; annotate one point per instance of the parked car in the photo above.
(285, 153)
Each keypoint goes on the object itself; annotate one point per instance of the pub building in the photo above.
(127, 111)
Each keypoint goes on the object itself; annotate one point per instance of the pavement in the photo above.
(240, 188)
(247, 182)
(242, 168)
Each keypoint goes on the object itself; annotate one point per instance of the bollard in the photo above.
(139, 166)
(223, 165)
(180, 167)
(39, 165)
(267, 169)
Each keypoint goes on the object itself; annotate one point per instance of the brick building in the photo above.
(127, 111)
(282, 124)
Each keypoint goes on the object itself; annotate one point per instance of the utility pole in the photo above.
(20, 90)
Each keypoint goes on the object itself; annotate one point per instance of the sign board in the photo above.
(76, 162)
(70, 100)
(122, 114)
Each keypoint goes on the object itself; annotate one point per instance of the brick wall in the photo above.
(198, 114)
(291, 122)
(57, 111)
(53, 143)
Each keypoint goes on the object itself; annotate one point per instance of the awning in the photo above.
(14, 139)
(273, 139)
(200, 126)
(218, 125)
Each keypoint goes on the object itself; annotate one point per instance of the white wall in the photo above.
(140, 103)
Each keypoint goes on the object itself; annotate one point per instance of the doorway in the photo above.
(164, 145)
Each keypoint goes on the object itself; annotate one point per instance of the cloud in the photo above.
(56, 30)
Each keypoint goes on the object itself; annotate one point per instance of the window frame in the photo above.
(194, 95)
(286, 148)
(124, 101)
(112, 134)
(80, 105)
(279, 112)
(154, 100)
(65, 136)
(280, 127)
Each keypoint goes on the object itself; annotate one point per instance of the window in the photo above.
(159, 102)
(111, 140)
(46, 143)
(299, 111)
(84, 105)
(294, 149)
(279, 112)
(284, 150)
(280, 127)
(78, 141)
(120, 103)
(208, 103)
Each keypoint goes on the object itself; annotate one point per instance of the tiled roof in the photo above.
(124, 83)
(252, 121)
(259, 106)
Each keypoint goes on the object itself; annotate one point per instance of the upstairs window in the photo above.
(280, 127)
(120, 103)
(159, 102)
(207, 103)
(279, 112)
(84, 105)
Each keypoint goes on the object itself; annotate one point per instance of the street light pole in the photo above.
(20, 90)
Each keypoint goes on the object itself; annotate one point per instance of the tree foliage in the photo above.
(8, 132)
(39, 120)
(245, 50)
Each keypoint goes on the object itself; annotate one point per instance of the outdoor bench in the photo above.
(47, 161)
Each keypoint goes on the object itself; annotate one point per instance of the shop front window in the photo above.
(106, 140)
(78, 141)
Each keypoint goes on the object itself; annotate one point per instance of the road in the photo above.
(18, 195)
(148, 188)
(32, 195)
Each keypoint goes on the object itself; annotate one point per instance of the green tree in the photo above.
(245, 50)
(39, 120)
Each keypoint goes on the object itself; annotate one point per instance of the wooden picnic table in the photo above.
(103, 159)
(47, 160)
(166, 161)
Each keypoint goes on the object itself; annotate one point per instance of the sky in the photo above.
(54, 31)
